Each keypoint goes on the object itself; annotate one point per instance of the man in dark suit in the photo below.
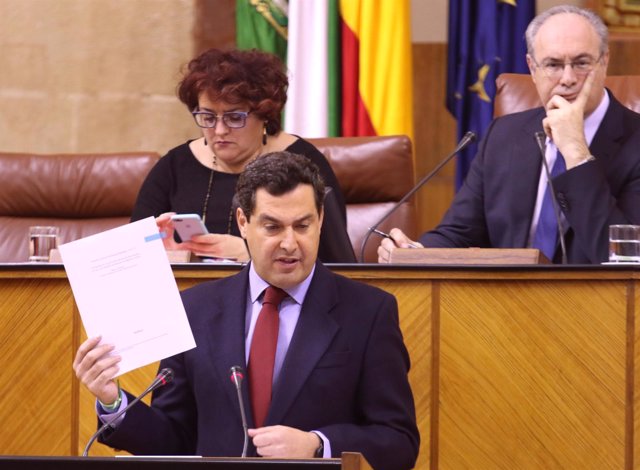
(340, 370)
(502, 203)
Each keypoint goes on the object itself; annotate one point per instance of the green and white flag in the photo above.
(262, 24)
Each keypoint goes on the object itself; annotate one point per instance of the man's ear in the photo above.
(242, 222)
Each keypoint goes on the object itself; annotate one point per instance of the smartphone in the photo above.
(188, 225)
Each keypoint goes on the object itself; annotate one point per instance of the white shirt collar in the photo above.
(257, 285)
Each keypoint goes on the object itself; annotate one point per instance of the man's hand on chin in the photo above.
(564, 124)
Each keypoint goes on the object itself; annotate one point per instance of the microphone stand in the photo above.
(236, 377)
(541, 140)
(164, 377)
(466, 140)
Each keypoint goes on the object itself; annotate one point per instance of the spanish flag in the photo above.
(377, 84)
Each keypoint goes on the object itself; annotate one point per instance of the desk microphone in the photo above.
(237, 376)
(541, 139)
(464, 142)
(163, 378)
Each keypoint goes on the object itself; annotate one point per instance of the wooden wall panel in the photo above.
(36, 348)
(541, 369)
(214, 25)
(415, 303)
(511, 368)
(435, 132)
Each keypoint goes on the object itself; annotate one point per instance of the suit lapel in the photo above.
(606, 141)
(313, 335)
(226, 333)
(524, 164)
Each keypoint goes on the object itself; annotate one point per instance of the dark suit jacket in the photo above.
(494, 208)
(345, 374)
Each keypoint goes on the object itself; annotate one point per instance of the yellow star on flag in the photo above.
(478, 87)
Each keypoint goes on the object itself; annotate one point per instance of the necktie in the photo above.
(263, 353)
(546, 235)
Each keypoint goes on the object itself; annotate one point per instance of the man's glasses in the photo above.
(233, 120)
(554, 68)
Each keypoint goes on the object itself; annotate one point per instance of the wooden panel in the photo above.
(511, 367)
(214, 25)
(467, 256)
(415, 305)
(36, 348)
(435, 132)
(633, 421)
(538, 367)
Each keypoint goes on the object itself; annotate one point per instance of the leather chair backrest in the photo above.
(83, 194)
(517, 92)
(374, 173)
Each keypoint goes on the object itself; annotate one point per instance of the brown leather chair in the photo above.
(85, 194)
(374, 173)
(516, 92)
(82, 194)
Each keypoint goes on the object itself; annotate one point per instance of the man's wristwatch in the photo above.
(320, 450)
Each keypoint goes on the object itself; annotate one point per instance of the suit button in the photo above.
(562, 201)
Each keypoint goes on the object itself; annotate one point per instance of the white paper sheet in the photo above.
(126, 292)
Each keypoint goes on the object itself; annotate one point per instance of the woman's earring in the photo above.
(205, 141)
(264, 134)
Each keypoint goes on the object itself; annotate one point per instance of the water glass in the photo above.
(624, 243)
(42, 239)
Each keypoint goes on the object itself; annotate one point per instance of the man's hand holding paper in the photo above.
(126, 294)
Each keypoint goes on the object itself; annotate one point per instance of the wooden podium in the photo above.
(518, 366)
(349, 461)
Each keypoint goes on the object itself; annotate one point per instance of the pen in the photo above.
(386, 235)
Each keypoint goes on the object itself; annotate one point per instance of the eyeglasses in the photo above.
(554, 69)
(233, 120)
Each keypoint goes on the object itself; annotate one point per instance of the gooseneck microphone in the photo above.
(164, 377)
(237, 376)
(464, 142)
(541, 139)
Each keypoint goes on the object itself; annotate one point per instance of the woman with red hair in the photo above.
(236, 98)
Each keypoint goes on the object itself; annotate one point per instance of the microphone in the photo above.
(464, 142)
(237, 376)
(541, 141)
(164, 377)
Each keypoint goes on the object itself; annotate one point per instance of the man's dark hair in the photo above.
(278, 173)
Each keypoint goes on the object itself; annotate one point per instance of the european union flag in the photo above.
(486, 38)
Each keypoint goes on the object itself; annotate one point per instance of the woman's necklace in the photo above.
(208, 195)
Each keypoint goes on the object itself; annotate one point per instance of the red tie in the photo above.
(263, 354)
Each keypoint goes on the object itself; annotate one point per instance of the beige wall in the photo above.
(93, 75)
(100, 75)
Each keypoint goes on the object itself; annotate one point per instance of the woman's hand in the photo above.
(214, 245)
(217, 245)
(165, 225)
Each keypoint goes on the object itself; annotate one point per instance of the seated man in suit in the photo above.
(337, 380)
(505, 201)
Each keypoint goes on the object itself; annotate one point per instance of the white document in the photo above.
(126, 292)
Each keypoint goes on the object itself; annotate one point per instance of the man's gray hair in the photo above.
(590, 16)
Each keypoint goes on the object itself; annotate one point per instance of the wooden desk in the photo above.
(518, 367)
